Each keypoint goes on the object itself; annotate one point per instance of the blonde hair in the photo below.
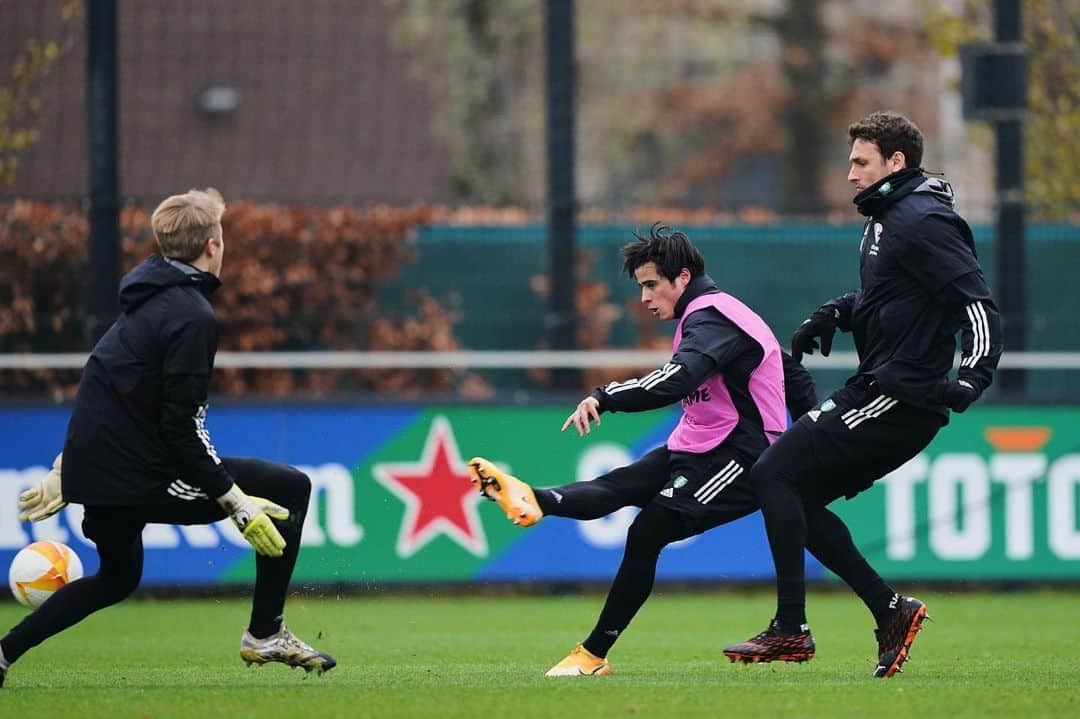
(182, 223)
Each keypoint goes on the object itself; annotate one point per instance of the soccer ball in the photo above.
(39, 569)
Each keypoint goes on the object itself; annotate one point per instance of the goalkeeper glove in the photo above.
(959, 394)
(44, 500)
(252, 515)
(821, 324)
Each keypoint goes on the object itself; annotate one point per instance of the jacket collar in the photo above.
(205, 282)
(698, 286)
(888, 190)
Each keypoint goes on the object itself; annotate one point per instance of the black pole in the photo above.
(1009, 247)
(561, 319)
(101, 110)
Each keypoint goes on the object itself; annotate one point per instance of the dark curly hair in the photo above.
(891, 132)
(670, 249)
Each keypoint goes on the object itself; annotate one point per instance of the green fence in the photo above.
(489, 275)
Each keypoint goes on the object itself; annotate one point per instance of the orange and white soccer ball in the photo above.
(39, 569)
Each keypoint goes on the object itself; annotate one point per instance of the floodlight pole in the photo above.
(1009, 248)
(561, 319)
(102, 122)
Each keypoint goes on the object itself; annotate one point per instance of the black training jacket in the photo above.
(712, 343)
(137, 434)
(921, 283)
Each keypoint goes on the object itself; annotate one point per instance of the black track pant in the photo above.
(634, 485)
(682, 494)
(679, 516)
(117, 532)
(853, 439)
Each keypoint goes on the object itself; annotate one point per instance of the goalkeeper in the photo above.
(138, 451)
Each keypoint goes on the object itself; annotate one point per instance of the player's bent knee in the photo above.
(301, 484)
(292, 489)
(301, 487)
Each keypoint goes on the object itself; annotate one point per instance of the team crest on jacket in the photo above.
(875, 247)
(826, 406)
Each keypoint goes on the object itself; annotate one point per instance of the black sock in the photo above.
(883, 606)
(548, 502)
(829, 540)
(582, 500)
(785, 525)
(654, 529)
(272, 576)
(264, 629)
(790, 616)
(633, 485)
(291, 489)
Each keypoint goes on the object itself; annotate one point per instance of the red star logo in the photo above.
(438, 496)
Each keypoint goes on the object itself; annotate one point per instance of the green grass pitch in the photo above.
(984, 655)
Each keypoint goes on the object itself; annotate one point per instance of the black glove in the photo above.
(959, 394)
(821, 324)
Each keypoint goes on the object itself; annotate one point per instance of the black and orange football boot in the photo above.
(772, 645)
(895, 638)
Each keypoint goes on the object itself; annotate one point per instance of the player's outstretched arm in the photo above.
(709, 342)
